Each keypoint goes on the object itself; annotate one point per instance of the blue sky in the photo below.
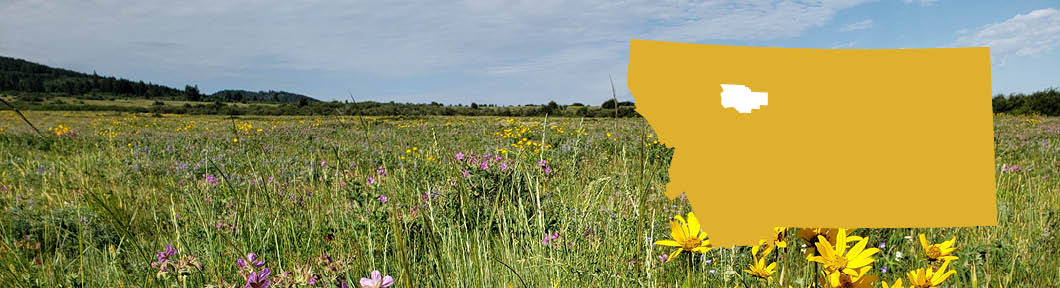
(512, 52)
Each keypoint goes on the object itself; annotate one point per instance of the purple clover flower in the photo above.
(460, 156)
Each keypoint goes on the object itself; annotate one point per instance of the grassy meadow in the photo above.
(322, 201)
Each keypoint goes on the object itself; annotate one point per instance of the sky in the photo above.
(493, 52)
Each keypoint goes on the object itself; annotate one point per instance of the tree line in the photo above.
(1045, 102)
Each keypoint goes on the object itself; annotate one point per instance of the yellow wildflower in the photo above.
(687, 236)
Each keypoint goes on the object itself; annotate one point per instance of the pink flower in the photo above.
(460, 156)
(371, 180)
(377, 280)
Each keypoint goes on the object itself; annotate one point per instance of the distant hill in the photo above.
(19, 76)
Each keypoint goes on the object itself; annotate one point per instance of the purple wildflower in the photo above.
(377, 280)
(251, 259)
(381, 171)
(323, 163)
(371, 180)
(270, 179)
(3, 188)
(163, 257)
(382, 199)
(882, 245)
(460, 156)
(466, 174)
(664, 257)
(504, 166)
(210, 179)
(549, 238)
(484, 165)
(883, 269)
(259, 279)
(1011, 168)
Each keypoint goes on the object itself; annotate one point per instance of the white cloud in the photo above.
(1023, 35)
(860, 25)
(561, 45)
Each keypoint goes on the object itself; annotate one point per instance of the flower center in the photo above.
(839, 262)
(934, 252)
(691, 243)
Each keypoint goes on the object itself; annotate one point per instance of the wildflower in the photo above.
(882, 245)
(942, 251)
(382, 199)
(687, 236)
(504, 166)
(897, 284)
(810, 237)
(377, 280)
(664, 257)
(857, 280)
(1011, 168)
(460, 156)
(323, 163)
(381, 171)
(780, 237)
(252, 259)
(840, 261)
(466, 174)
(549, 238)
(259, 279)
(484, 165)
(163, 257)
(883, 269)
(371, 180)
(3, 188)
(759, 268)
(928, 277)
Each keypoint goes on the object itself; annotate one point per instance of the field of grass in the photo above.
(432, 202)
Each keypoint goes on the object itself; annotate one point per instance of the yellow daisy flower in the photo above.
(941, 251)
(897, 284)
(687, 236)
(838, 279)
(780, 240)
(810, 237)
(842, 260)
(928, 277)
(759, 268)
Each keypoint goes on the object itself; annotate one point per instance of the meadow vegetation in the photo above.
(109, 199)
